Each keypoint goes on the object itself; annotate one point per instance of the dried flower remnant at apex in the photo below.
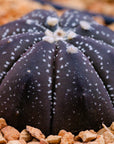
(58, 34)
(45, 68)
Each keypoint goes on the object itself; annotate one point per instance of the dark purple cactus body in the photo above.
(56, 73)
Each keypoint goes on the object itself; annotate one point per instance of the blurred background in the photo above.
(101, 10)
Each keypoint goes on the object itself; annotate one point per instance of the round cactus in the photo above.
(56, 73)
